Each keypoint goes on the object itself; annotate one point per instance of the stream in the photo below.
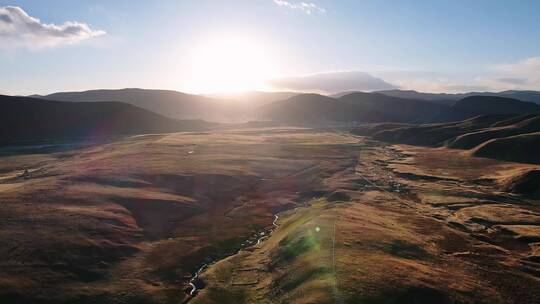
(192, 292)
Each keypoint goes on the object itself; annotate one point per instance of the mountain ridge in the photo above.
(25, 118)
(485, 105)
(170, 103)
(523, 95)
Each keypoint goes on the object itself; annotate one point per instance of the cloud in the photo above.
(332, 82)
(18, 29)
(440, 84)
(306, 7)
(514, 81)
(521, 75)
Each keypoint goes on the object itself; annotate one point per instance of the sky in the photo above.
(226, 46)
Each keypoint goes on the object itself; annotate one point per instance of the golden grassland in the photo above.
(359, 222)
(407, 230)
(129, 221)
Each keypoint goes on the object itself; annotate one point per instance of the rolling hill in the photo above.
(526, 182)
(486, 105)
(500, 136)
(444, 99)
(448, 98)
(385, 106)
(401, 109)
(310, 109)
(24, 118)
(516, 126)
(433, 134)
(522, 148)
(355, 107)
(254, 99)
(169, 103)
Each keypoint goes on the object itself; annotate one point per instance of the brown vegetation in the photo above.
(129, 221)
(420, 226)
(359, 222)
(504, 137)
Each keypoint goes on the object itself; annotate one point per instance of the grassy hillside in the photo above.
(425, 244)
(502, 136)
(168, 103)
(400, 109)
(23, 118)
(511, 127)
(254, 99)
(355, 107)
(448, 98)
(435, 134)
(130, 220)
(315, 109)
(525, 183)
(486, 105)
(373, 128)
(524, 148)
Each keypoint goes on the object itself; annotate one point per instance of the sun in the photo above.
(228, 63)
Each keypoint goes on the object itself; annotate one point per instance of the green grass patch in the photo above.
(311, 274)
(291, 248)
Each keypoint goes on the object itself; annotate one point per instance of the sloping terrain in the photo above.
(355, 107)
(444, 98)
(413, 225)
(168, 103)
(448, 98)
(505, 137)
(255, 99)
(313, 109)
(400, 109)
(320, 217)
(374, 128)
(131, 220)
(23, 118)
(432, 134)
(516, 126)
(523, 183)
(486, 105)
(523, 148)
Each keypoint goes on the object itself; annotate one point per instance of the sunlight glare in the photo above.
(229, 63)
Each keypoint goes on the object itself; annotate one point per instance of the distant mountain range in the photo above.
(377, 107)
(178, 105)
(484, 105)
(315, 109)
(449, 99)
(355, 107)
(293, 107)
(172, 104)
(398, 109)
(254, 99)
(24, 118)
(142, 111)
(530, 96)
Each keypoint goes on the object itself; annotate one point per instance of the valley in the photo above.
(404, 225)
(136, 217)
(360, 220)
(269, 152)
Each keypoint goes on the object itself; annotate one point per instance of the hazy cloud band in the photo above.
(333, 82)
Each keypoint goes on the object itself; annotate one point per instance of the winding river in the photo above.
(262, 236)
